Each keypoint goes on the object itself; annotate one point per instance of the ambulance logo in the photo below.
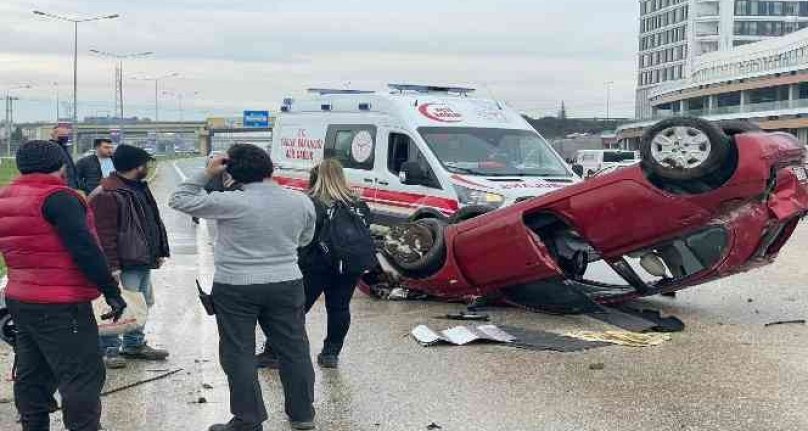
(440, 112)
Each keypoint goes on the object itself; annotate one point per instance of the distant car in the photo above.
(613, 167)
(706, 202)
(592, 161)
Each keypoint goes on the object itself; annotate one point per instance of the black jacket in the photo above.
(310, 257)
(88, 171)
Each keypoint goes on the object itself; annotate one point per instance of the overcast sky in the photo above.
(240, 55)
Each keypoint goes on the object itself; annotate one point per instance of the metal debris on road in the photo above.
(597, 366)
(466, 315)
(461, 335)
(434, 426)
(786, 322)
(141, 382)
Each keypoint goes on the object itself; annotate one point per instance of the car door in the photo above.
(397, 201)
(354, 146)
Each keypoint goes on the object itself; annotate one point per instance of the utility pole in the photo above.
(119, 81)
(608, 100)
(157, 80)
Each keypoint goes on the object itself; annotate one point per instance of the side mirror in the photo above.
(411, 174)
(578, 169)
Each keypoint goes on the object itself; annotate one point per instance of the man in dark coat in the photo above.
(134, 240)
(95, 167)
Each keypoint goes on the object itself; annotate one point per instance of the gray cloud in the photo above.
(238, 54)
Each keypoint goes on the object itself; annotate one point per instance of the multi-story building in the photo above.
(764, 82)
(674, 33)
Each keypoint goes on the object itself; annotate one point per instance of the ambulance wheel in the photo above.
(470, 212)
(684, 149)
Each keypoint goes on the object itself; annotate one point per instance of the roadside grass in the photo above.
(8, 170)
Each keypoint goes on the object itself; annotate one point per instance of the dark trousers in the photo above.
(279, 307)
(57, 348)
(338, 290)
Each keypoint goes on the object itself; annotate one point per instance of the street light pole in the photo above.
(10, 115)
(608, 100)
(119, 109)
(75, 22)
(157, 80)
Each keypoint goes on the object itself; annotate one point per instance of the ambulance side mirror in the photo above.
(411, 174)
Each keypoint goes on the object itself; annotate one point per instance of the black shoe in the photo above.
(328, 360)
(302, 425)
(267, 359)
(236, 425)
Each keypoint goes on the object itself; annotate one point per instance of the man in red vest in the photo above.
(55, 270)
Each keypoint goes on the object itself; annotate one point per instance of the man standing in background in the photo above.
(95, 167)
(61, 136)
(134, 240)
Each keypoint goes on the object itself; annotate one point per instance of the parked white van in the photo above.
(592, 161)
(417, 151)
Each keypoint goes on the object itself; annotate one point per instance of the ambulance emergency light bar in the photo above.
(327, 91)
(431, 89)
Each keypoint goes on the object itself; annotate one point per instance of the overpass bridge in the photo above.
(162, 137)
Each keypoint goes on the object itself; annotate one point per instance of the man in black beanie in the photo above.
(56, 268)
(134, 241)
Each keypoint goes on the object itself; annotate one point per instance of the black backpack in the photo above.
(345, 240)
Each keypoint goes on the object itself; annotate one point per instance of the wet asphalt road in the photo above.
(725, 372)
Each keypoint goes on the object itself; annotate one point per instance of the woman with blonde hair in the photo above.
(341, 252)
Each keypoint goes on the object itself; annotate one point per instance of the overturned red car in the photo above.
(707, 201)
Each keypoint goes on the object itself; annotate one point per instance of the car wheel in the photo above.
(684, 149)
(430, 261)
(470, 212)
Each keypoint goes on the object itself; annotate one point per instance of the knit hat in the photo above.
(128, 157)
(39, 157)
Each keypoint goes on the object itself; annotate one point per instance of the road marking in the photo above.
(182, 175)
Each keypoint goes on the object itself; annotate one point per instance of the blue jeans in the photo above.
(134, 280)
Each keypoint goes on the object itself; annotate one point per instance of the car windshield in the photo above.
(619, 156)
(493, 152)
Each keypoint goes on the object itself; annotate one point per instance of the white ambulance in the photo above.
(417, 151)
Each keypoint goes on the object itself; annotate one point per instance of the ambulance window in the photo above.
(398, 152)
(353, 146)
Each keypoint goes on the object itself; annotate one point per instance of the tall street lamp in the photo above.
(157, 80)
(75, 22)
(180, 96)
(119, 74)
(608, 101)
(119, 80)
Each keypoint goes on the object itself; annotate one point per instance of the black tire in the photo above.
(470, 212)
(434, 259)
(719, 152)
(736, 127)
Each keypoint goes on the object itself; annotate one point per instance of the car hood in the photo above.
(514, 187)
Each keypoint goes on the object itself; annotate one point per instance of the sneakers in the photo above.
(267, 359)
(302, 425)
(146, 353)
(114, 362)
(328, 360)
(237, 425)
